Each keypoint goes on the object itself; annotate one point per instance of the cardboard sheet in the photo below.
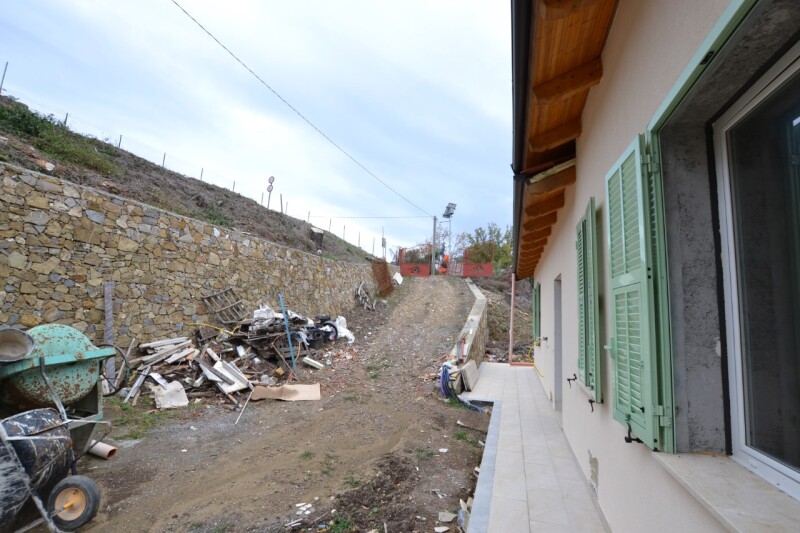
(287, 393)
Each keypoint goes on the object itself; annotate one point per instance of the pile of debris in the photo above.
(263, 350)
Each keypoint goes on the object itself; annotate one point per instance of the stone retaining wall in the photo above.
(61, 242)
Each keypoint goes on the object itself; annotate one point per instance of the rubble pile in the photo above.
(262, 350)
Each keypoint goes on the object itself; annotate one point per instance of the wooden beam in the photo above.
(558, 9)
(568, 84)
(563, 179)
(541, 222)
(556, 136)
(536, 235)
(547, 206)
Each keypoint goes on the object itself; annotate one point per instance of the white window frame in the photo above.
(775, 472)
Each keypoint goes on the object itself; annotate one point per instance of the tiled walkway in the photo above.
(529, 478)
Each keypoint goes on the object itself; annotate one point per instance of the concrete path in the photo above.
(529, 479)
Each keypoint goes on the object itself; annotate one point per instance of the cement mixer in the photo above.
(52, 401)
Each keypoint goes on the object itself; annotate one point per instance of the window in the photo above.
(758, 155)
(588, 304)
(639, 344)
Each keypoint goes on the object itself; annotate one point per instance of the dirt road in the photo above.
(367, 454)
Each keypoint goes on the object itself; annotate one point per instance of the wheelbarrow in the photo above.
(50, 378)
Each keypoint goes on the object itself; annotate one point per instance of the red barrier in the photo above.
(415, 262)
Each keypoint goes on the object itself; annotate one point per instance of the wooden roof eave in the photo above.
(566, 39)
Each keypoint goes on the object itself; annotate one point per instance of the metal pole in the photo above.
(3, 78)
(262, 199)
(164, 160)
(119, 145)
(309, 217)
(66, 117)
(269, 197)
(330, 221)
(450, 237)
(373, 246)
(511, 325)
(281, 203)
(344, 232)
(433, 248)
(287, 208)
(234, 186)
(201, 170)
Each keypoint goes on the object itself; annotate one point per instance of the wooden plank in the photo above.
(180, 355)
(547, 206)
(562, 179)
(559, 9)
(134, 391)
(164, 354)
(556, 137)
(541, 222)
(156, 344)
(212, 373)
(536, 235)
(566, 85)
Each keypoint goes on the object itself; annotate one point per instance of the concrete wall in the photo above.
(60, 242)
(649, 46)
(476, 329)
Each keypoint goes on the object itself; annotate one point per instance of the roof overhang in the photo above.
(556, 59)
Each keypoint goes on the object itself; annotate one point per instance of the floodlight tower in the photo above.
(448, 214)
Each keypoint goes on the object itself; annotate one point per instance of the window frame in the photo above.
(775, 472)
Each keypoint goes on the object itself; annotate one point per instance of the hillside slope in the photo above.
(40, 143)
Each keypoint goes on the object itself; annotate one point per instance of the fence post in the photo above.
(119, 144)
(164, 160)
(3, 79)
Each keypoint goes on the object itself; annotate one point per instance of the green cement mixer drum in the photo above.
(71, 362)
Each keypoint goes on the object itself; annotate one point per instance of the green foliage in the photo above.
(479, 245)
(351, 481)
(212, 215)
(341, 524)
(423, 455)
(136, 420)
(49, 136)
(306, 455)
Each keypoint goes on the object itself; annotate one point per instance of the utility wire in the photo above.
(299, 114)
(339, 218)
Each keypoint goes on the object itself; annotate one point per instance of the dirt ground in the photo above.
(368, 455)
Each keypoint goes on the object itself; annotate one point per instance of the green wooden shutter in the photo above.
(588, 304)
(632, 314)
(537, 312)
(580, 245)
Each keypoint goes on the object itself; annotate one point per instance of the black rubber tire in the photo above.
(333, 335)
(91, 501)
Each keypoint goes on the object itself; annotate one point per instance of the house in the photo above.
(656, 165)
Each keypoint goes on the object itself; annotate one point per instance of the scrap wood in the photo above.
(158, 379)
(287, 393)
(189, 353)
(137, 385)
(156, 344)
(212, 373)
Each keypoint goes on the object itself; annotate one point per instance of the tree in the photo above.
(492, 233)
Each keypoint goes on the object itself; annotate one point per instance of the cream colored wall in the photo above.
(649, 46)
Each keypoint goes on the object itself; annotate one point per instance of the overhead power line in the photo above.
(298, 113)
(339, 218)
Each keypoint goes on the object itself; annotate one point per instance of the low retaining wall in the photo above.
(61, 242)
(475, 332)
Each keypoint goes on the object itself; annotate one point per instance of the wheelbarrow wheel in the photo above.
(74, 501)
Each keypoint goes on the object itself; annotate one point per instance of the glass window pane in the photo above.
(764, 152)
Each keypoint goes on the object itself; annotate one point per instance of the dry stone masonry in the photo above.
(60, 242)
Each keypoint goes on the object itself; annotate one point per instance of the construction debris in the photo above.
(239, 358)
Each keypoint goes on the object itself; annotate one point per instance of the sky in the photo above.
(418, 92)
